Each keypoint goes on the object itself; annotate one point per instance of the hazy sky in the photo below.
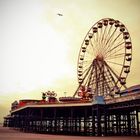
(39, 49)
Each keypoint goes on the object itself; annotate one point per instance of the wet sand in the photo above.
(10, 134)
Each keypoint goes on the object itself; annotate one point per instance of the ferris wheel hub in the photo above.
(99, 57)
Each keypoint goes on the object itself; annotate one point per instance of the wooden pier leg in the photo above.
(138, 121)
(98, 121)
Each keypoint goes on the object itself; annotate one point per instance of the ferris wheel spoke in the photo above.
(107, 35)
(114, 47)
(115, 63)
(87, 61)
(110, 76)
(90, 51)
(92, 46)
(84, 72)
(94, 41)
(112, 42)
(100, 38)
(115, 52)
(86, 64)
(86, 69)
(83, 80)
(109, 69)
(110, 37)
(94, 38)
(112, 79)
(103, 34)
(104, 37)
(115, 55)
(90, 78)
(97, 44)
(106, 84)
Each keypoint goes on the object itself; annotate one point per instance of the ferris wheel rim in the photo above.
(126, 36)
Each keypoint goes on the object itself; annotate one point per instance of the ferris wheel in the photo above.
(104, 59)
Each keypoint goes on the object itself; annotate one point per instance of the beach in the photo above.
(11, 134)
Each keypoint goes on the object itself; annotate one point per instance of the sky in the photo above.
(39, 49)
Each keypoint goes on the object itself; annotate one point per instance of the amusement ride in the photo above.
(104, 59)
